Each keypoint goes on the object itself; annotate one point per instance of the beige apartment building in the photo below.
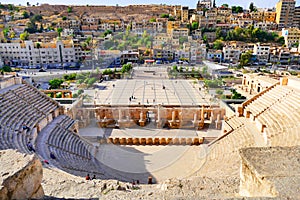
(291, 36)
(30, 53)
(285, 10)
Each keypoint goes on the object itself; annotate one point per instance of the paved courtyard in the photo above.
(151, 92)
(150, 86)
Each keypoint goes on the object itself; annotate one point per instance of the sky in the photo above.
(191, 4)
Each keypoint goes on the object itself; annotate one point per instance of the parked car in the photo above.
(42, 70)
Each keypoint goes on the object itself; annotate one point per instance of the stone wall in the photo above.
(21, 176)
(270, 172)
(9, 81)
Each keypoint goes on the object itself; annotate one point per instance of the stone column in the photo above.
(158, 121)
(201, 123)
(195, 118)
(158, 113)
(141, 121)
(120, 115)
(202, 113)
(173, 116)
(218, 122)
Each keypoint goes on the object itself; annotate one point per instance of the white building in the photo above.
(262, 52)
(30, 53)
(231, 55)
(198, 53)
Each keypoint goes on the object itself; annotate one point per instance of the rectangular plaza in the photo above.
(151, 92)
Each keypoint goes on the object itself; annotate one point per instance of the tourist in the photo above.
(94, 177)
(46, 162)
(150, 180)
(30, 147)
(87, 177)
(25, 127)
(52, 155)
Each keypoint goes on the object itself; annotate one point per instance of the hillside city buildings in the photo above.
(175, 33)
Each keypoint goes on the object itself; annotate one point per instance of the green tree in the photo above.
(24, 36)
(126, 68)
(225, 5)
(144, 34)
(10, 7)
(69, 9)
(12, 34)
(59, 30)
(213, 83)
(214, 4)
(25, 15)
(171, 18)
(164, 15)
(205, 39)
(64, 18)
(5, 32)
(69, 77)
(107, 32)
(280, 40)
(218, 44)
(245, 58)
(91, 81)
(204, 70)
(237, 9)
(251, 7)
(55, 83)
(152, 20)
(31, 27)
(175, 68)
(219, 91)
(183, 39)
(195, 25)
(6, 68)
(37, 18)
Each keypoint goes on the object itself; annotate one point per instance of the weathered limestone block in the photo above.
(270, 172)
(20, 176)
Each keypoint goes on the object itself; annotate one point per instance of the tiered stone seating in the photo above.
(235, 122)
(36, 98)
(65, 121)
(282, 121)
(71, 151)
(15, 111)
(226, 150)
(268, 99)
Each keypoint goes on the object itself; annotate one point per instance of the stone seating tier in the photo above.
(235, 122)
(226, 150)
(17, 110)
(281, 121)
(68, 141)
(268, 99)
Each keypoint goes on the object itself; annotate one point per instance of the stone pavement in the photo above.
(150, 92)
